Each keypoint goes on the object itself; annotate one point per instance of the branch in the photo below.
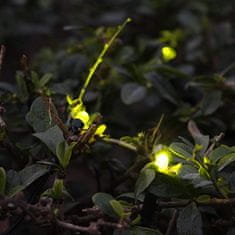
(91, 229)
(2, 53)
(212, 202)
(120, 143)
(172, 222)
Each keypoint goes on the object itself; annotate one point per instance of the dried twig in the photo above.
(172, 223)
(2, 54)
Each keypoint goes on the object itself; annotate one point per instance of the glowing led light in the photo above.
(162, 160)
(206, 160)
(168, 53)
(82, 115)
(100, 130)
(175, 169)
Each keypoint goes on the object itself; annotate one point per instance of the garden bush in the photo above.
(122, 129)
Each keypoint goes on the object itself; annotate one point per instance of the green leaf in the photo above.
(68, 154)
(102, 200)
(225, 161)
(58, 188)
(2, 181)
(189, 221)
(60, 151)
(219, 153)
(199, 138)
(34, 78)
(64, 153)
(211, 102)
(131, 196)
(132, 92)
(169, 186)
(163, 87)
(145, 178)
(202, 140)
(39, 117)
(118, 208)
(18, 181)
(31, 173)
(51, 137)
(22, 90)
(45, 79)
(181, 150)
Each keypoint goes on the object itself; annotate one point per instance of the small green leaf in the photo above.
(2, 181)
(211, 102)
(204, 198)
(203, 141)
(189, 221)
(22, 90)
(102, 200)
(118, 208)
(145, 178)
(34, 78)
(64, 153)
(132, 92)
(68, 154)
(45, 79)
(58, 188)
(60, 151)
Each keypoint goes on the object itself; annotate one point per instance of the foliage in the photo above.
(102, 152)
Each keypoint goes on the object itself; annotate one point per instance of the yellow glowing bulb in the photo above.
(162, 160)
(168, 53)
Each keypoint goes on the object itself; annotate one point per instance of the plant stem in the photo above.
(120, 143)
(171, 224)
(100, 58)
(212, 202)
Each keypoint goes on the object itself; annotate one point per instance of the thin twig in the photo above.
(216, 140)
(2, 54)
(120, 143)
(91, 229)
(212, 202)
(172, 222)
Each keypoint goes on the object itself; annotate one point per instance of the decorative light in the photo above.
(162, 159)
(168, 53)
